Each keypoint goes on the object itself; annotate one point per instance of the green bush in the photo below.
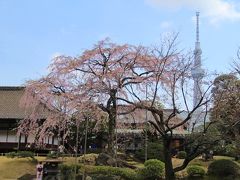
(153, 169)
(181, 155)
(126, 173)
(223, 168)
(154, 151)
(67, 172)
(25, 154)
(11, 154)
(228, 150)
(195, 170)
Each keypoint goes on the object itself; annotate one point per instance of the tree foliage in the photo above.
(226, 106)
(101, 79)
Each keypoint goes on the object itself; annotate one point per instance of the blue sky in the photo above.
(32, 32)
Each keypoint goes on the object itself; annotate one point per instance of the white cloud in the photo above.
(215, 10)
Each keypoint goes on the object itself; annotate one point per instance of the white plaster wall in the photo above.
(12, 137)
(3, 136)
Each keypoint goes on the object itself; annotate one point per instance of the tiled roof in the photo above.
(138, 117)
(9, 102)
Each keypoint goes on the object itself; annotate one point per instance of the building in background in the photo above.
(131, 127)
(10, 115)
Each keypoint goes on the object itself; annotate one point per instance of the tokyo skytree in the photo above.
(197, 71)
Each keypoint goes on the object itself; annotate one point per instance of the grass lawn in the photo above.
(17, 167)
(14, 168)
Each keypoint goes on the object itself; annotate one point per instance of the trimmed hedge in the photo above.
(224, 167)
(126, 173)
(181, 155)
(195, 170)
(21, 154)
(154, 169)
(11, 154)
(67, 171)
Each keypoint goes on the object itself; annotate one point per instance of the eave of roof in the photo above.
(9, 88)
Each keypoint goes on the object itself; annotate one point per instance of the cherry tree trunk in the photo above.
(112, 106)
(111, 133)
(169, 171)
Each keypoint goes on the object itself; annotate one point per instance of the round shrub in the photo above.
(223, 167)
(181, 155)
(153, 169)
(195, 170)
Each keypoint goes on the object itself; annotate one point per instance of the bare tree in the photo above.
(236, 63)
(170, 84)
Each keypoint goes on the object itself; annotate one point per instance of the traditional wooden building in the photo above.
(10, 115)
(131, 127)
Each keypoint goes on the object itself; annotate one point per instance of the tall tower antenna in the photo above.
(197, 71)
(197, 27)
